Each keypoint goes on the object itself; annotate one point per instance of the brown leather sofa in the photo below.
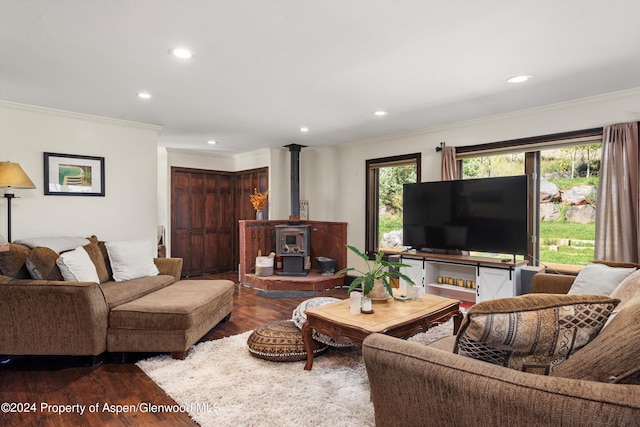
(413, 384)
(149, 314)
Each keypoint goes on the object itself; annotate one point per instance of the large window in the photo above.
(385, 178)
(565, 182)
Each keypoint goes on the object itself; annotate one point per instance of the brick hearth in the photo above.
(314, 281)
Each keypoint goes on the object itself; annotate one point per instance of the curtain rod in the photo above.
(530, 140)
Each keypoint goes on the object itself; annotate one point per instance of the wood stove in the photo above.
(293, 246)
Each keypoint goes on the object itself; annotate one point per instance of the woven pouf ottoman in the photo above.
(280, 341)
(300, 317)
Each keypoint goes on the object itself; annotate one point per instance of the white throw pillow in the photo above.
(76, 266)
(131, 259)
(598, 279)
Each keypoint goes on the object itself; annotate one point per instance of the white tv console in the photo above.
(482, 278)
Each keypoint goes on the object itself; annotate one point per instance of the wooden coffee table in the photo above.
(400, 319)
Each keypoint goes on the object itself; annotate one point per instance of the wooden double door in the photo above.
(205, 209)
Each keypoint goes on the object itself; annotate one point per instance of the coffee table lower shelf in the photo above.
(394, 318)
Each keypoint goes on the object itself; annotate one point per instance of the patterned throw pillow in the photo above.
(532, 333)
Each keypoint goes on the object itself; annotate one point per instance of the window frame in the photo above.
(372, 219)
(532, 147)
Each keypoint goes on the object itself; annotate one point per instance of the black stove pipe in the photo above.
(294, 149)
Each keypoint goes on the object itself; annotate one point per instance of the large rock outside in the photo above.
(549, 192)
(579, 199)
(582, 195)
(549, 211)
(583, 214)
(392, 239)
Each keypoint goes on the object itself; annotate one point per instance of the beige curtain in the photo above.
(449, 164)
(617, 205)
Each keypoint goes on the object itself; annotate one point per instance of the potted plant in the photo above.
(376, 280)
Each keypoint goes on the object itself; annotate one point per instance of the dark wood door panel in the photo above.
(205, 208)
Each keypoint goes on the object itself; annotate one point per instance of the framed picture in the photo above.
(71, 175)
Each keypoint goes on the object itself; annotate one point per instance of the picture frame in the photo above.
(304, 210)
(73, 175)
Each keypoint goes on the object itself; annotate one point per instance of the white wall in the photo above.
(128, 210)
(333, 179)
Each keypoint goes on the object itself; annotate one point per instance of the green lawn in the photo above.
(566, 230)
(578, 253)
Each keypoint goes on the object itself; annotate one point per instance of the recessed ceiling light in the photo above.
(181, 52)
(144, 95)
(521, 78)
(380, 113)
(304, 129)
(212, 142)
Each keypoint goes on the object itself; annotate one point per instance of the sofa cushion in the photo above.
(280, 341)
(12, 262)
(178, 307)
(56, 243)
(612, 356)
(76, 266)
(131, 259)
(532, 333)
(41, 263)
(598, 279)
(117, 293)
(95, 254)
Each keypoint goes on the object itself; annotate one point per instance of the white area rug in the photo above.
(221, 384)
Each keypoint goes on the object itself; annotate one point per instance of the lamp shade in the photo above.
(12, 175)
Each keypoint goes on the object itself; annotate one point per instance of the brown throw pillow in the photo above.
(627, 289)
(105, 256)
(12, 262)
(532, 333)
(41, 263)
(98, 260)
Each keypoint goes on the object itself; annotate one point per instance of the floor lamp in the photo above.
(11, 177)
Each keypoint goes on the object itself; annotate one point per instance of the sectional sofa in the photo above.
(43, 312)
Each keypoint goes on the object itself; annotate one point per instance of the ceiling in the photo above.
(263, 69)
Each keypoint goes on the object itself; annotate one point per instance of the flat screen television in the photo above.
(484, 215)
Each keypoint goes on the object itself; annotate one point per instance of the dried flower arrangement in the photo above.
(259, 200)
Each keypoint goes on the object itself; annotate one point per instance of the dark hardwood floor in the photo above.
(29, 384)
